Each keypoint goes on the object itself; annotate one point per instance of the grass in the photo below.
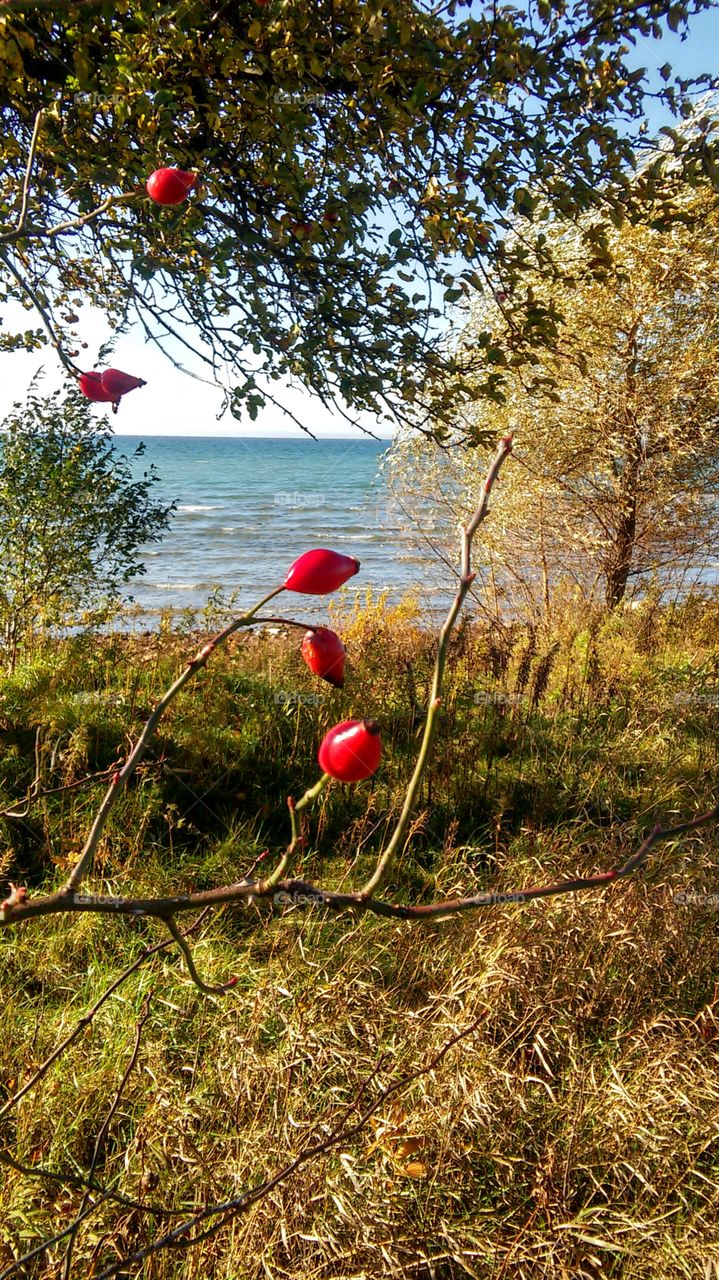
(573, 1134)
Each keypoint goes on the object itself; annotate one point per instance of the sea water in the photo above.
(247, 507)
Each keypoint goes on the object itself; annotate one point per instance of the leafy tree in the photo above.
(72, 518)
(616, 470)
(363, 166)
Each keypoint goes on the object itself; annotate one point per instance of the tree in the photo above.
(361, 166)
(72, 519)
(617, 430)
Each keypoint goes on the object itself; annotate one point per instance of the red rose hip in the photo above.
(91, 387)
(170, 186)
(118, 384)
(351, 750)
(324, 653)
(320, 571)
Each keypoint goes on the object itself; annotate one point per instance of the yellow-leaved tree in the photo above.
(616, 473)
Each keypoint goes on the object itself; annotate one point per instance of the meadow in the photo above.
(571, 1132)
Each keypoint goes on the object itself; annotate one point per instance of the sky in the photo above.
(173, 403)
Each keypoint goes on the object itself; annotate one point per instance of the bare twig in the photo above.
(87, 1018)
(466, 579)
(121, 777)
(301, 892)
(89, 1184)
(34, 796)
(240, 1204)
(144, 1015)
(31, 293)
(28, 174)
(190, 962)
(21, 1263)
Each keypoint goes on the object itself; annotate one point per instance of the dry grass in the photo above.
(574, 1134)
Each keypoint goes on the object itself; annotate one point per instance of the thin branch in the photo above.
(73, 223)
(47, 1244)
(190, 962)
(33, 796)
(88, 1184)
(87, 1018)
(41, 310)
(240, 1204)
(267, 885)
(467, 578)
(28, 175)
(301, 892)
(125, 773)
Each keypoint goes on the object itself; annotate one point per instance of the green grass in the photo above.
(574, 1134)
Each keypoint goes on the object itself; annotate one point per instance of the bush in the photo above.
(72, 519)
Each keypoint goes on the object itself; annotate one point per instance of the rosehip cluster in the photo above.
(351, 750)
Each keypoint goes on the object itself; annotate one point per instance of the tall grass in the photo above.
(574, 1134)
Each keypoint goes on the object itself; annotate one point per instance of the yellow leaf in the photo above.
(409, 1147)
(254, 30)
(415, 1169)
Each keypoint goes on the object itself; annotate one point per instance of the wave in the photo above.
(179, 586)
(193, 507)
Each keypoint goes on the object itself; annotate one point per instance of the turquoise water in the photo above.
(246, 508)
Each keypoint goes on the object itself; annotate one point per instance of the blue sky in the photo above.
(175, 404)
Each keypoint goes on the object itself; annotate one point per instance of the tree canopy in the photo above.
(73, 518)
(616, 462)
(362, 167)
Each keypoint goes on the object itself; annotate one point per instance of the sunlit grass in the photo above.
(574, 1134)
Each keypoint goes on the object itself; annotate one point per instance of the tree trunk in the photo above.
(620, 559)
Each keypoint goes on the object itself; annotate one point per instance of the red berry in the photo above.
(351, 750)
(118, 384)
(320, 571)
(324, 653)
(91, 386)
(170, 186)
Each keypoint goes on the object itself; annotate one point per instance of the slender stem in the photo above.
(73, 223)
(186, 950)
(41, 310)
(121, 777)
(467, 578)
(266, 886)
(28, 172)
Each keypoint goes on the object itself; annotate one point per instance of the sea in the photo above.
(247, 507)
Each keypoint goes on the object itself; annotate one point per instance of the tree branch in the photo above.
(467, 578)
(121, 777)
(240, 1204)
